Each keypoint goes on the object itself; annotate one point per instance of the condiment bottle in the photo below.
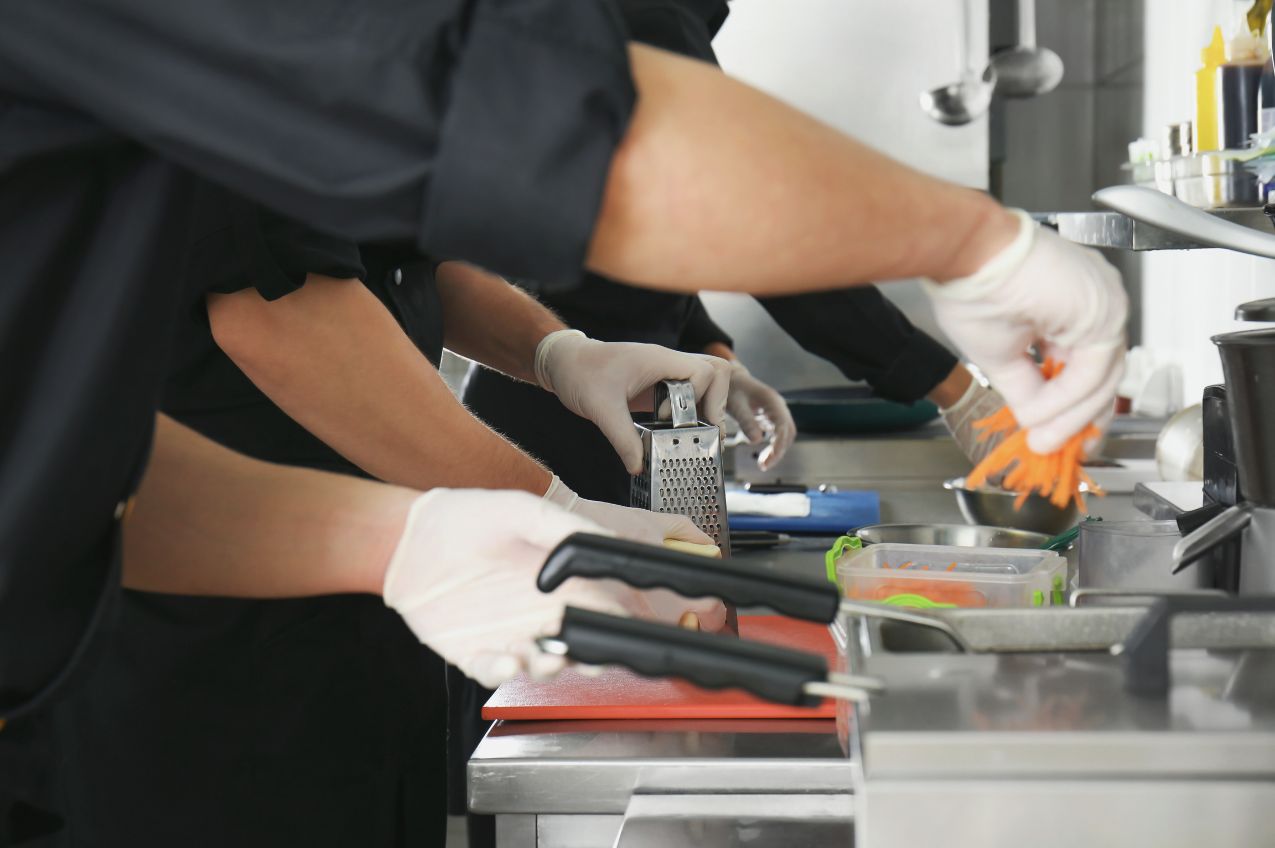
(1206, 136)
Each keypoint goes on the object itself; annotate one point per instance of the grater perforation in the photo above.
(682, 465)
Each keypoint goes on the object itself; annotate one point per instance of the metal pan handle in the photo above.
(1146, 650)
(775, 674)
(648, 567)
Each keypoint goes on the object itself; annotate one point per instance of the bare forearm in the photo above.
(717, 185)
(208, 521)
(492, 322)
(335, 360)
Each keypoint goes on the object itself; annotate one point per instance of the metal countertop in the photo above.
(583, 767)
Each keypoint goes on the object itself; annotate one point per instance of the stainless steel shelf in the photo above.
(1112, 229)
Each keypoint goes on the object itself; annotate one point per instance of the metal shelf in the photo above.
(1114, 230)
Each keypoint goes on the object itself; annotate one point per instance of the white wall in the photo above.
(1189, 296)
(859, 65)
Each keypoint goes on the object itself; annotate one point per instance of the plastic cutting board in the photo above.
(621, 694)
(830, 512)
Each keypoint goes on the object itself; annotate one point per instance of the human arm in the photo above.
(491, 321)
(331, 356)
(208, 521)
(713, 184)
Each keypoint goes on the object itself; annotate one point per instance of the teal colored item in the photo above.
(834, 553)
(854, 409)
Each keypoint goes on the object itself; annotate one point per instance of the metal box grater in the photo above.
(682, 464)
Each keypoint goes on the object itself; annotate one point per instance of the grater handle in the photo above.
(680, 395)
(649, 567)
(708, 660)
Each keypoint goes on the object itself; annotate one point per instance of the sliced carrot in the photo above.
(1056, 476)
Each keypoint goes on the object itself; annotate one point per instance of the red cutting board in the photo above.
(618, 693)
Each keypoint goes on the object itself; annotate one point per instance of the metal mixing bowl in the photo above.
(958, 535)
(995, 507)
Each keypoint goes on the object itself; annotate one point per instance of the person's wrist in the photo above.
(404, 510)
(542, 365)
(994, 231)
(953, 389)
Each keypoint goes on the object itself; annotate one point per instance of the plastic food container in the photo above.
(929, 576)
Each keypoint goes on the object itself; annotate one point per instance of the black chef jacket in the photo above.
(475, 128)
(218, 721)
(856, 329)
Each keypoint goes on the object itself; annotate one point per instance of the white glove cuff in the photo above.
(389, 592)
(987, 279)
(560, 494)
(971, 392)
(542, 355)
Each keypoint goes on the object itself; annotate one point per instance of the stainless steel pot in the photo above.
(956, 535)
(995, 508)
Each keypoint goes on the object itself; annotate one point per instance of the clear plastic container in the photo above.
(930, 576)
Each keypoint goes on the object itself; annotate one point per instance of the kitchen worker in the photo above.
(858, 330)
(348, 710)
(395, 120)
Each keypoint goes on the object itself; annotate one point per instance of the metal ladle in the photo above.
(969, 98)
(1027, 70)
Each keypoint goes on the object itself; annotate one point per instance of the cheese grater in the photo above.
(682, 464)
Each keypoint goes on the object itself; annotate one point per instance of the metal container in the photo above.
(995, 508)
(1248, 360)
(953, 535)
(1133, 555)
(1214, 181)
(682, 464)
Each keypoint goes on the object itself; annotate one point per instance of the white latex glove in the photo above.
(1043, 290)
(762, 414)
(464, 579)
(977, 403)
(652, 528)
(599, 380)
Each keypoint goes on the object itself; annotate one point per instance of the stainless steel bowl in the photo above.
(995, 507)
(958, 535)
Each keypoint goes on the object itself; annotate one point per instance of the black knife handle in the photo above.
(648, 567)
(1146, 649)
(705, 659)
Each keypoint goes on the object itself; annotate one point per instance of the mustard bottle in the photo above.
(1206, 136)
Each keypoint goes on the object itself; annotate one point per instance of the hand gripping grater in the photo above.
(682, 464)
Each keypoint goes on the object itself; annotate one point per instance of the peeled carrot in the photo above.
(1056, 476)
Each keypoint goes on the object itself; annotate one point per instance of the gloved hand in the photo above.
(977, 403)
(761, 414)
(464, 579)
(652, 528)
(640, 525)
(602, 381)
(1065, 298)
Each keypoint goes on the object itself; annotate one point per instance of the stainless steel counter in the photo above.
(1114, 230)
(574, 784)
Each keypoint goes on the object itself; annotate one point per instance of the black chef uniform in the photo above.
(219, 721)
(856, 329)
(479, 128)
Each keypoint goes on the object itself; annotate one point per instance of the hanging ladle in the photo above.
(1026, 70)
(970, 97)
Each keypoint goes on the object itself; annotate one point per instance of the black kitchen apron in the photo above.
(215, 721)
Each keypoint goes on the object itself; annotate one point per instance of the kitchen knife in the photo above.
(647, 567)
(712, 661)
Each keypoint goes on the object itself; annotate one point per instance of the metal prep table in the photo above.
(573, 784)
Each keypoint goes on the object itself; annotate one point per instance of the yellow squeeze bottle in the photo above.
(1206, 136)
